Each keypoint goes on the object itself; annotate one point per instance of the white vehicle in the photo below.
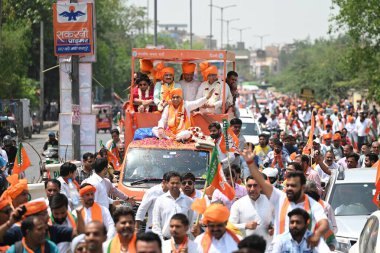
(350, 194)
(245, 113)
(369, 236)
(250, 130)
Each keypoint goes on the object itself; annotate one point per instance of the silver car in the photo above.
(350, 193)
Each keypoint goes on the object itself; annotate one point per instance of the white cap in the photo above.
(270, 172)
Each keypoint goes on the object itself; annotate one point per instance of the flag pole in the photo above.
(225, 127)
(203, 196)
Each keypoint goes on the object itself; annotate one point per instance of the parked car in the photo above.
(250, 130)
(369, 236)
(350, 193)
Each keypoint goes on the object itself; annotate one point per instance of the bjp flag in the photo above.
(22, 161)
(216, 178)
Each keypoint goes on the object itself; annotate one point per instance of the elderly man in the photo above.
(95, 236)
(211, 82)
(188, 84)
(329, 163)
(217, 238)
(162, 89)
(176, 117)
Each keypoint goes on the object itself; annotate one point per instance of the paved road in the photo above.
(37, 141)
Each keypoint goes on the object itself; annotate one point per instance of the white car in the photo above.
(369, 236)
(250, 130)
(350, 194)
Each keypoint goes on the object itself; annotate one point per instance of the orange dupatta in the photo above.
(207, 240)
(115, 245)
(96, 213)
(178, 119)
(28, 249)
(284, 212)
(182, 246)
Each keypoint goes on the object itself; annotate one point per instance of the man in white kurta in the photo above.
(176, 117)
(253, 213)
(168, 204)
(188, 84)
(217, 238)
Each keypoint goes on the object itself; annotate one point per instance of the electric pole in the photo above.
(191, 24)
(241, 32)
(228, 28)
(42, 90)
(261, 39)
(221, 17)
(155, 23)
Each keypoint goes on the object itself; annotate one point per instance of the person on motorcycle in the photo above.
(52, 141)
(272, 123)
(9, 148)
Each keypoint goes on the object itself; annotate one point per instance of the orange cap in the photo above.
(212, 70)
(216, 213)
(327, 136)
(17, 186)
(169, 70)
(146, 65)
(176, 91)
(336, 137)
(86, 189)
(188, 68)
(34, 207)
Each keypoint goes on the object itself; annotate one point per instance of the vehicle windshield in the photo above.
(353, 199)
(145, 163)
(249, 129)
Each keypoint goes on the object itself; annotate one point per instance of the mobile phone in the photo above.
(20, 213)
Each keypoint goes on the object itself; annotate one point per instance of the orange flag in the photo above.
(377, 183)
(309, 144)
(22, 161)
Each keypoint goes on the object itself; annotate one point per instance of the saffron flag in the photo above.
(377, 183)
(229, 141)
(111, 158)
(309, 144)
(216, 178)
(22, 161)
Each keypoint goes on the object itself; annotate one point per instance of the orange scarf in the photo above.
(115, 245)
(284, 212)
(96, 213)
(182, 246)
(277, 160)
(74, 182)
(235, 142)
(28, 249)
(165, 91)
(178, 119)
(207, 240)
(69, 216)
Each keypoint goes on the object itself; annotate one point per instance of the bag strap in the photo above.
(18, 247)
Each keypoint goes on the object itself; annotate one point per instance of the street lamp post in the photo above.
(228, 28)
(241, 32)
(155, 23)
(261, 39)
(210, 39)
(221, 17)
(191, 24)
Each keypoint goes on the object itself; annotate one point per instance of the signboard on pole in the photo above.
(73, 29)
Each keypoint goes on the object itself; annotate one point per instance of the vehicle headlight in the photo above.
(343, 245)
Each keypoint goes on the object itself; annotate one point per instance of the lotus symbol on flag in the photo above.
(72, 15)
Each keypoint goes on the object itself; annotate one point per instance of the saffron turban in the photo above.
(188, 68)
(35, 206)
(212, 70)
(217, 213)
(158, 70)
(327, 136)
(167, 70)
(146, 65)
(86, 189)
(17, 186)
(177, 92)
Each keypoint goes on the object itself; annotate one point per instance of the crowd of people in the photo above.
(278, 183)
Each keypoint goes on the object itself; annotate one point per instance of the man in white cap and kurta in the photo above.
(188, 84)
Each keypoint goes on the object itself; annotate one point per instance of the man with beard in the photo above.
(293, 197)
(168, 204)
(93, 211)
(252, 214)
(60, 215)
(125, 239)
(347, 149)
(188, 84)
(217, 238)
(95, 235)
(297, 239)
(34, 237)
(310, 173)
(327, 165)
(224, 156)
(179, 241)
(188, 186)
(277, 158)
(147, 203)
(371, 160)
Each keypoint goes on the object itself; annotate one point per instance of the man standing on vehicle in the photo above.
(168, 204)
(188, 84)
(232, 93)
(176, 116)
(52, 141)
(147, 203)
(294, 197)
(162, 89)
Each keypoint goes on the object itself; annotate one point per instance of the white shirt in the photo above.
(192, 247)
(226, 244)
(107, 220)
(165, 207)
(65, 190)
(246, 210)
(324, 177)
(216, 99)
(189, 89)
(189, 106)
(360, 127)
(277, 199)
(104, 187)
(147, 205)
